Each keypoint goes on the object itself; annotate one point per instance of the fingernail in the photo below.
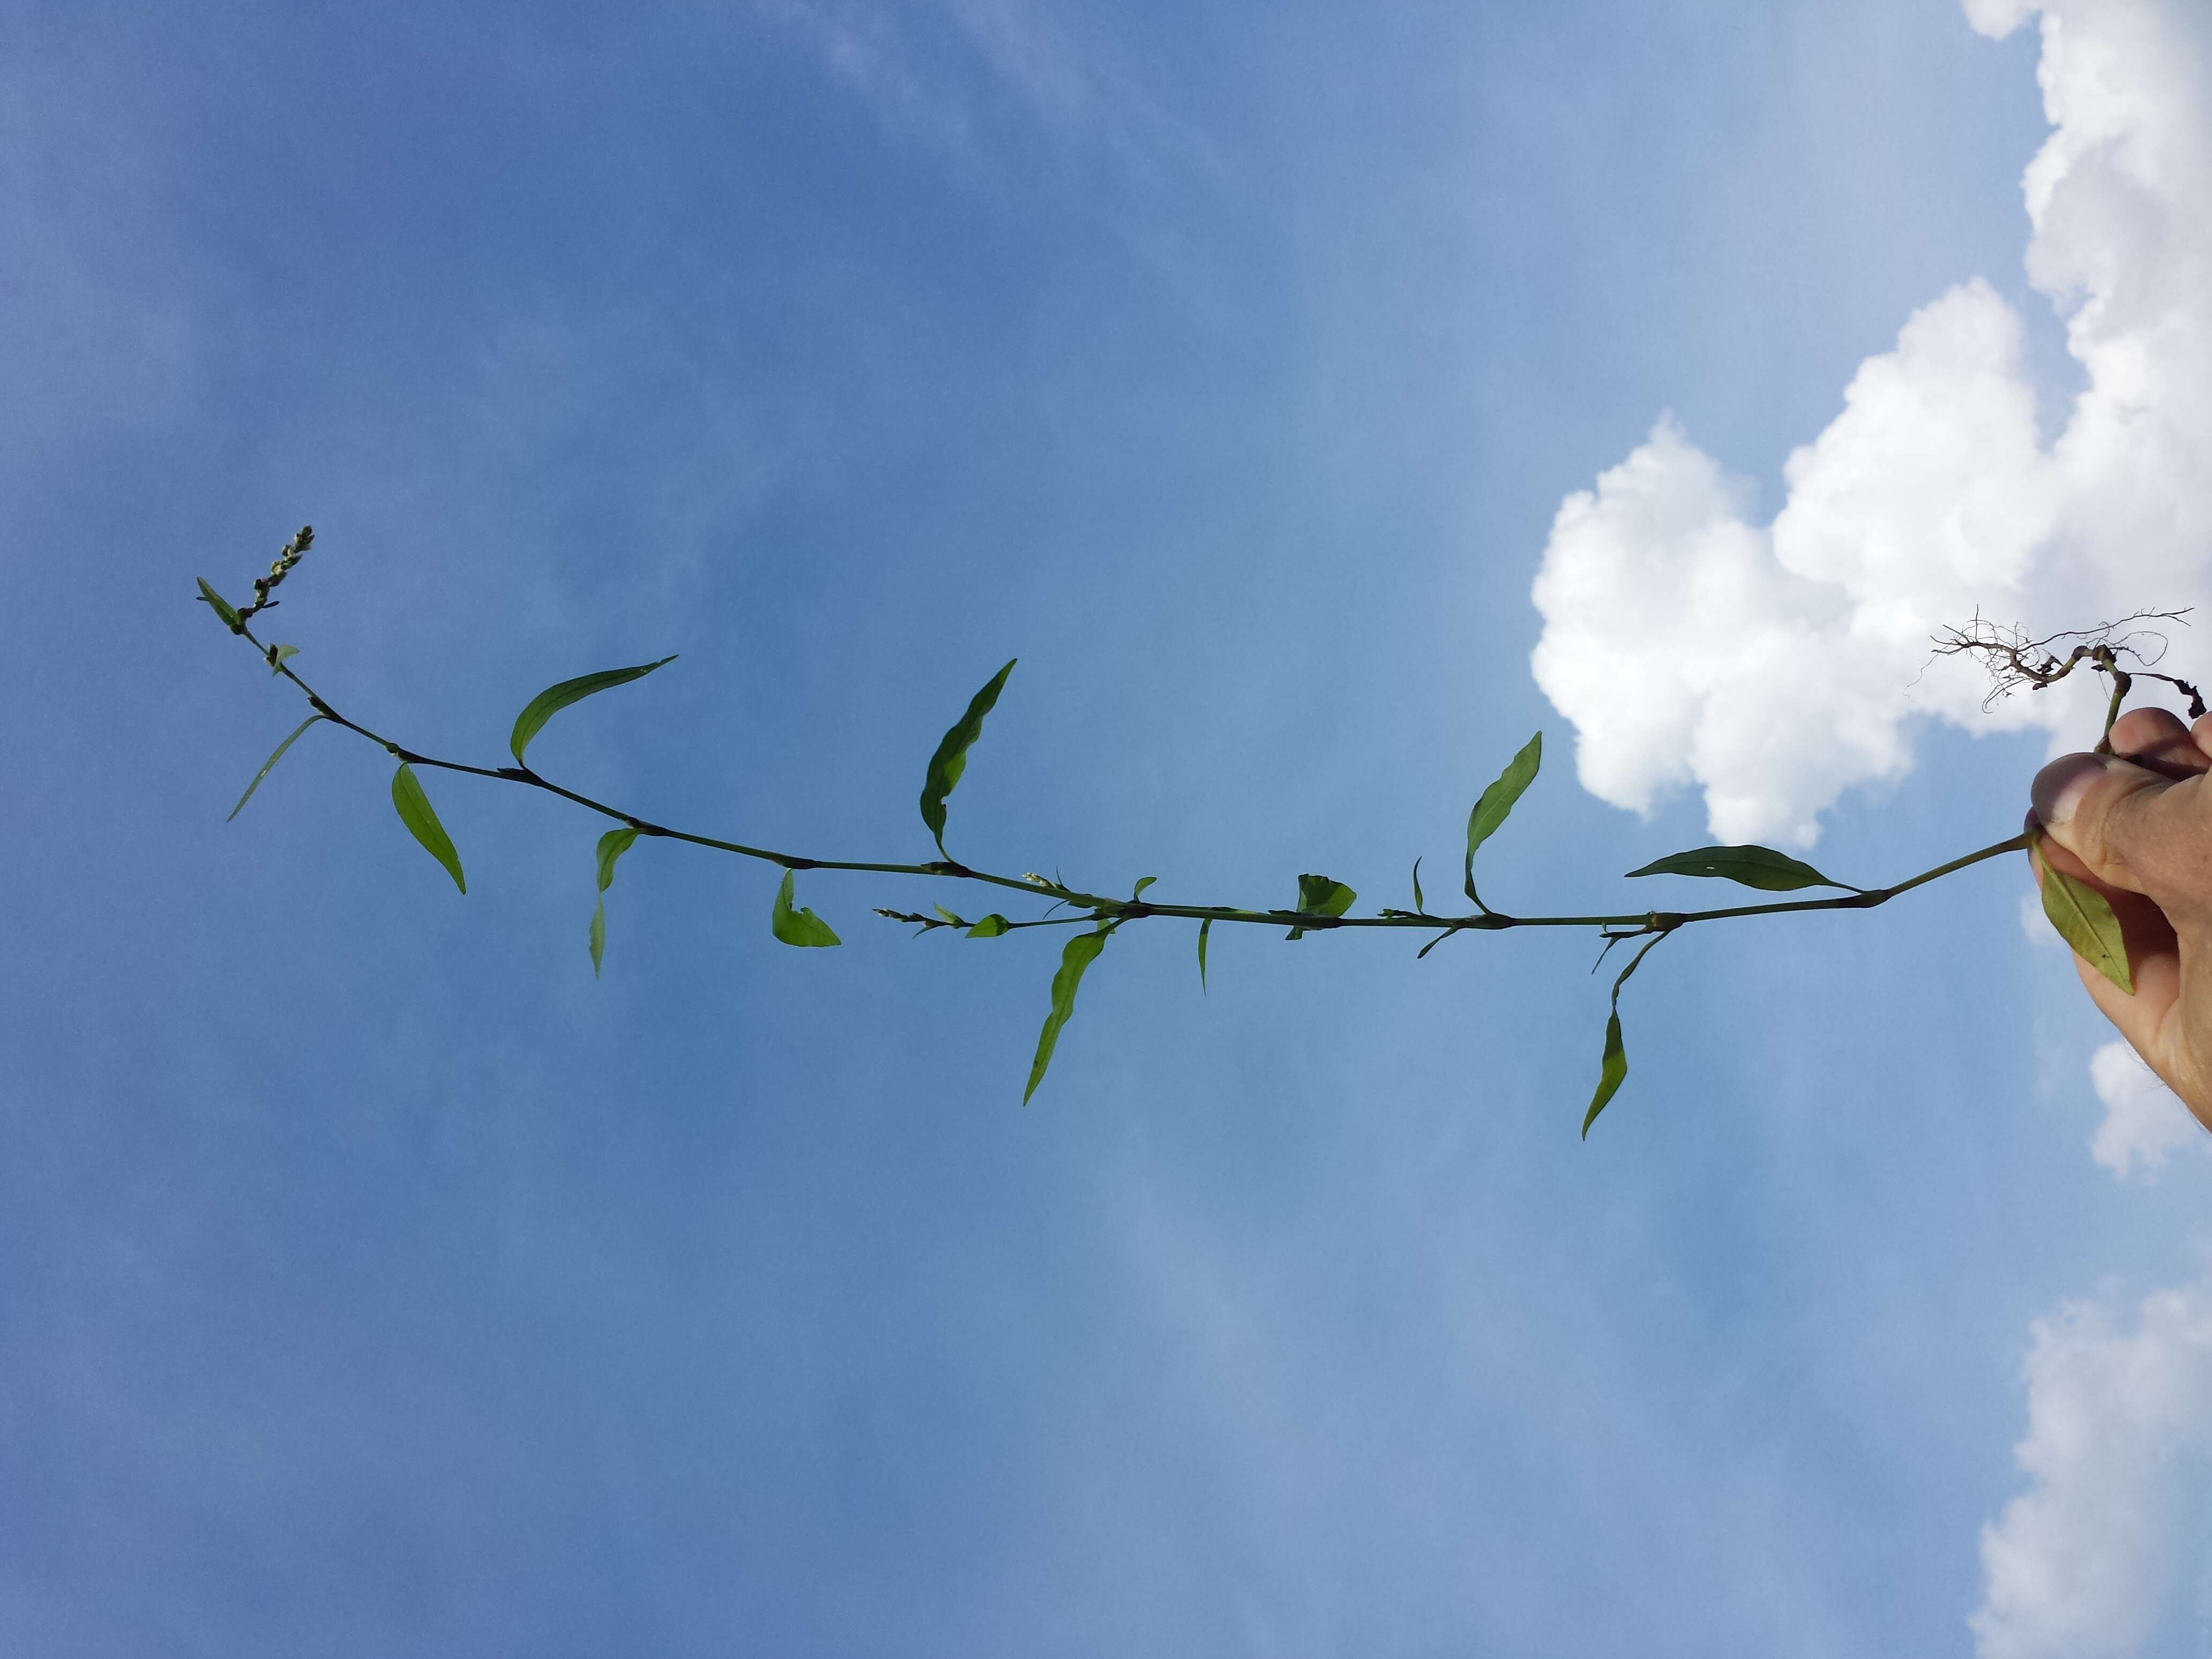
(2059, 787)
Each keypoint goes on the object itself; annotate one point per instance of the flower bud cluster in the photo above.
(288, 556)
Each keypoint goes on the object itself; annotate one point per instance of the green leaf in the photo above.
(2084, 919)
(612, 846)
(223, 607)
(270, 761)
(1612, 1068)
(554, 698)
(422, 823)
(276, 655)
(797, 927)
(1498, 801)
(951, 920)
(1143, 882)
(950, 759)
(1420, 904)
(1319, 896)
(1612, 1072)
(1204, 928)
(1753, 866)
(990, 927)
(1080, 952)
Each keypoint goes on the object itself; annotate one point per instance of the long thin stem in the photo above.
(1100, 907)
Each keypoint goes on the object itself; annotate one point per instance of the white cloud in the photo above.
(2144, 1124)
(2119, 1427)
(1775, 665)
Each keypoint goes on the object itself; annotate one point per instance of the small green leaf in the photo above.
(1204, 928)
(950, 759)
(1612, 1068)
(990, 927)
(1080, 952)
(1612, 1072)
(797, 927)
(1143, 882)
(1753, 866)
(270, 761)
(554, 698)
(422, 823)
(223, 607)
(1320, 896)
(276, 655)
(2084, 919)
(1420, 904)
(1498, 801)
(951, 920)
(612, 846)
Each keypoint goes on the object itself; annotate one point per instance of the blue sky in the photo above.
(378, 1283)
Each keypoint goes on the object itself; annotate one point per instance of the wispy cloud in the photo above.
(937, 72)
(866, 52)
(1775, 665)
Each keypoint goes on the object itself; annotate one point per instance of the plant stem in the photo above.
(2121, 685)
(1099, 907)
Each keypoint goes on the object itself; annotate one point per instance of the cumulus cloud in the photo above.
(1775, 665)
(2144, 1123)
(2119, 1433)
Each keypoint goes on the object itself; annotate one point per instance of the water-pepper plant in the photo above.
(2119, 652)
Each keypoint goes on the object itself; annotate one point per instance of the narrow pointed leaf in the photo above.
(414, 807)
(1612, 1072)
(1498, 801)
(797, 927)
(1204, 928)
(612, 846)
(1753, 866)
(950, 759)
(221, 607)
(1613, 1066)
(554, 698)
(1143, 882)
(2085, 920)
(990, 927)
(1420, 904)
(276, 655)
(270, 761)
(1079, 953)
(951, 920)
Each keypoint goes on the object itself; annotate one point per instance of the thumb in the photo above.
(2130, 828)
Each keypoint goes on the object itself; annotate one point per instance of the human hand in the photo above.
(2136, 825)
